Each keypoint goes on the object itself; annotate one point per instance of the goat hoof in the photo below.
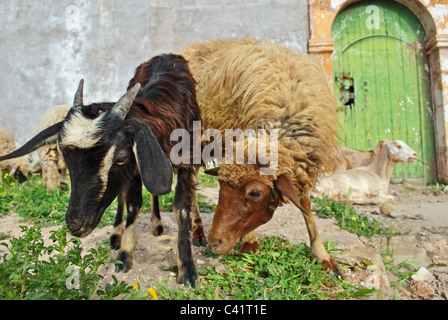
(115, 242)
(126, 259)
(188, 277)
(157, 231)
(200, 242)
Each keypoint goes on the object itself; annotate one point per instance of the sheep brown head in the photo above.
(245, 204)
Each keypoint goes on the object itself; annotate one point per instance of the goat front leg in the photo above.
(182, 205)
(157, 226)
(115, 239)
(196, 226)
(134, 202)
(317, 247)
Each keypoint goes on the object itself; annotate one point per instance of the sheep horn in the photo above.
(123, 105)
(78, 95)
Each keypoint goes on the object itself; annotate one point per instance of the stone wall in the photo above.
(47, 46)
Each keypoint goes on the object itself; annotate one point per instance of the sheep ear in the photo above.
(212, 172)
(284, 185)
(45, 137)
(155, 168)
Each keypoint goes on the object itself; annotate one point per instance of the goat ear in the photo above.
(155, 168)
(47, 136)
(284, 185)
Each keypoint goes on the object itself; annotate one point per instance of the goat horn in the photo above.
(124, 104)
(78, 95)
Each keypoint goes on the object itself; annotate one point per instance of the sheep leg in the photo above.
(249, 243)
(317, 246)
(182, 205)
(134, 202)
(50, 174)
(115, 239)
(196, 225)
(63, 185)
(157, 227)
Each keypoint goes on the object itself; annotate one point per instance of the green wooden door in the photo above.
(381, 79)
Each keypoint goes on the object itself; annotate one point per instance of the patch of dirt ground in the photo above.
(420, 216)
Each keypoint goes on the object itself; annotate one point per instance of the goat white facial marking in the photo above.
(80, 131)
(106, 164)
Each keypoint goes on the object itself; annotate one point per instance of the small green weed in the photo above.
(31, 200)
(347, 218)
(61, 271)
(207, 180)
(436, 189)
(47, 207)
(279, 271)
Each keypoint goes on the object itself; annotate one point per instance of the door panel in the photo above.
(381, 79)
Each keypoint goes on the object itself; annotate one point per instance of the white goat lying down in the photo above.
(345, 158)
(368, 184)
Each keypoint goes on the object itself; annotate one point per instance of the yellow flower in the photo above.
(328, 208)
(153, 293)
(387, 257)
(354, 218)
(134, 286)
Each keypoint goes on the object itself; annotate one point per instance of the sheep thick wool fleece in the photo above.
(7, 145)
(257, 84)
(51, 160)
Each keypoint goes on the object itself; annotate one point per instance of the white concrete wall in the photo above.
(47, 46)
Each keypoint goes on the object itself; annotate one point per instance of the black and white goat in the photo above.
(110, 148)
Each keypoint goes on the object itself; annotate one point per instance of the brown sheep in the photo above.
(249, 84)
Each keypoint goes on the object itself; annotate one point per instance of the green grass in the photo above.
(279, 271)
(47, 207)
(207, 180)
(33, 269)
(348, 219)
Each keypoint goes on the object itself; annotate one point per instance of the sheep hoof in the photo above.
(333, 268)
(248, 247)
(126, 259)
